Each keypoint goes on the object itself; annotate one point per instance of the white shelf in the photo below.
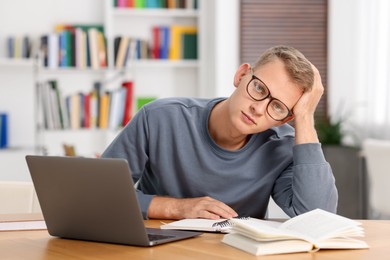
(16, 62)
(80, 131)
(151, 77)
(156, 12)
(18, 149)
(71, 70)
(134, 64)
(165, 63)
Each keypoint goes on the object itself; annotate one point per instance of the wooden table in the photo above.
(40, 245)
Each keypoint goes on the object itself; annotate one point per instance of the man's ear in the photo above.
(241, 72)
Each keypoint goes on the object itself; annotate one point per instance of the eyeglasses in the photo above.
(258, 91)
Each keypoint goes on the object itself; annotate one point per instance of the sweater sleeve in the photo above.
(307, 184)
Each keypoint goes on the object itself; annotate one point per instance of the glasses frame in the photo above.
(268, 96)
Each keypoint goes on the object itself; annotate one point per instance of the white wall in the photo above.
(227, 17)
(38, 16)
(221, 23)
(342, 55)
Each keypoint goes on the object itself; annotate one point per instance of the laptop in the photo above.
(93, 199)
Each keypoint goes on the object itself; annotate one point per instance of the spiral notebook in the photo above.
(205, 225)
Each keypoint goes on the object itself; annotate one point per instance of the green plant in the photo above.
(329, 132)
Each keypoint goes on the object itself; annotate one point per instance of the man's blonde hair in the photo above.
(297, 66)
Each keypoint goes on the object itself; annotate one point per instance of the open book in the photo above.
(205, 225)
(311, 231)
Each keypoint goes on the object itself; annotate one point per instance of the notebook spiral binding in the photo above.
(227, 222)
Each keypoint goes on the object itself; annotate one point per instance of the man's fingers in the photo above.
(216, 207)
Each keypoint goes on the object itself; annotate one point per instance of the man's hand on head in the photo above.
(308, 102)
(305, 131)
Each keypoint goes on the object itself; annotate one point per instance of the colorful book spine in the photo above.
(176, 39)
(189, 46)
(156, 42)
(3, 131)
(128, 102)
(164, 47)
(104, 108)
(81, 45)
(188, 4)
(94, 109)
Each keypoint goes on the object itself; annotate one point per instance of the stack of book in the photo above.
(74, 45)
(95, 109)
(175, 42)
(19, 47)
(188, 4)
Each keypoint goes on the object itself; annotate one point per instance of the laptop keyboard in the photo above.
(154, 237)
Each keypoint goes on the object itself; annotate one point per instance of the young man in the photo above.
(217, 158)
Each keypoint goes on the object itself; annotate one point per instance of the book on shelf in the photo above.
(87, 110)
(308, 232)
(97, 108)
(189, 46)
(122, 46)
(66, 49)
(171, 4)
(128, 85)
(141, 101)
(116, 111)
(44, 50)
(59, 105)
(3, 130)
(156, 45)
(53, 50)
(164, 42)
(17, 47)
(79, 45)
(176, 40)
(104, 107)
(139, 3)
(80, 48)
(160, 42)
(74, 110)
(94, 107)
(167, 42)
(93, 48)
(46, 97)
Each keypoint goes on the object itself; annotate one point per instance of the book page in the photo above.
(266, 247)
(341, 243)
(262, 230)
(318, 224)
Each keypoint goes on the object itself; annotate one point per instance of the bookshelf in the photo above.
(151, 77)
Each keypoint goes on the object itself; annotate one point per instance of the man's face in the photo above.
(250, 116)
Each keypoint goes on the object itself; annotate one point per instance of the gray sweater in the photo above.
(171, 153)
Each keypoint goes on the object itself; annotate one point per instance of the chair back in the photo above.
(18, 197)
(377, 155)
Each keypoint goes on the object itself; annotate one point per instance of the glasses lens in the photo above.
(277, 110)
(258, 90)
